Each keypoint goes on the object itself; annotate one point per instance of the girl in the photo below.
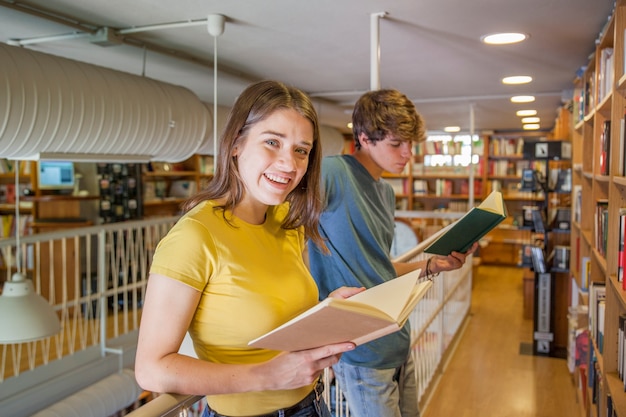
(232, 268)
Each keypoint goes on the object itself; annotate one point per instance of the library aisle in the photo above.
(493, 372)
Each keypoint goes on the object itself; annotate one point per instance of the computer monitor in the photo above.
(55, 175)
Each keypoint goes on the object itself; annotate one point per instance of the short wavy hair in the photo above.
(381, 113)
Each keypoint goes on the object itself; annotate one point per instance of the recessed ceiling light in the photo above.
(451, 129)
(503, 38)
(522, 99)
(530, 120)
(531, 126)
(349, 125)
(526, 113)
(517, 79)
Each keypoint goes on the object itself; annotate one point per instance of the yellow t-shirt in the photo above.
(252, 278)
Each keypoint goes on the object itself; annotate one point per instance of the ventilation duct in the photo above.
(102, 399)
(56, 108)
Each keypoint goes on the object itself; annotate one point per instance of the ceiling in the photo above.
(429, 49)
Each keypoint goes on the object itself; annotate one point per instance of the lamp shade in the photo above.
(26, 315)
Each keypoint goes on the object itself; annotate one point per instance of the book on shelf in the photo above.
(605, 145)
(398, 185)
(578, 202)
(597, 297)
(538, 261)
(368, 315)
(561, 219)
(620, 346)
(601, 219)
(182, 188)
(585, 273)
(476, 223)
(563, 181)
(600, 329)
(420, 187)
(621, 253)
(526, 260)
(6, 167)
(538, 223)
(582, 384)
(478, 187)
(589, 92)
(559, 258)
(578, 105)
(529, 181)
(443, 187)
(621, 160)
(582, 347)
(605, 73)
(206, 164)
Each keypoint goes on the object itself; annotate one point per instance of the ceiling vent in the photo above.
(55, 106)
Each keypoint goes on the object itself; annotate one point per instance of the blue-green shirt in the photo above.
(358, 227)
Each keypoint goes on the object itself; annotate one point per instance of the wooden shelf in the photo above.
(164, 201)
(169, 174)
(605, 102)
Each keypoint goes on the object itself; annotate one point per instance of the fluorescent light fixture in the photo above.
(526, 120)
(522, 99)
(503, 38)
(523, 113)
(517, 79)
(531, 126)
(452, 129)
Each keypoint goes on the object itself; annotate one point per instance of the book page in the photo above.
(493, 203)
(391, 296)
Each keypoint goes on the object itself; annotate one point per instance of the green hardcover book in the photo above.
(476, 223)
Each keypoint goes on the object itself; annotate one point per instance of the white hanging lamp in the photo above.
(26, 315)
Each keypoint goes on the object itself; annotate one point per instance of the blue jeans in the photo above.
(379, 392)
(310, 411)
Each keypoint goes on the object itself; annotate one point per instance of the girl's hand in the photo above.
(291, 370)
(346, 292)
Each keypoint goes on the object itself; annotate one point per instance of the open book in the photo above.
(368, 315)
(476, 223)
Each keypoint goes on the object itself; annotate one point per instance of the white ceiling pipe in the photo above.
(215, 27)
(55, 105)
(51, 38)
(375, 49)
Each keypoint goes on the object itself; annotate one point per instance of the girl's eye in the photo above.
(272, 142)
(303, 151)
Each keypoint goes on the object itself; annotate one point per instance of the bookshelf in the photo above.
(599, 192)
(166, 186)
(439, 175)
(440, 172)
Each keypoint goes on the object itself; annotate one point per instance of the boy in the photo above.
(378, 377)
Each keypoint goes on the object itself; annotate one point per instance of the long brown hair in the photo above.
(257, 102)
